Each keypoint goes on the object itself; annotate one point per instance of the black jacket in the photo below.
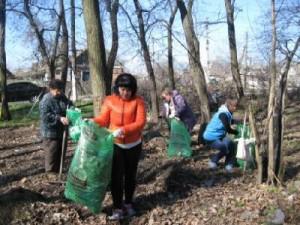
(51, 109)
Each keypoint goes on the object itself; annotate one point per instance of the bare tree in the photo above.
(271, 104)
(64, 47)
(113, 8)
(4, 113)
(73, 51)
(194, 58)
(170, 45)
(96, 51)
(142, 38)
(232, 46)
(49, 57)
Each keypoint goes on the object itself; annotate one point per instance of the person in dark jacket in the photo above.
(215, 135)
(53, 108)
(175, 106)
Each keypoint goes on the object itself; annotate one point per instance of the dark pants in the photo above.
(226, 148)
(52, 149)
(124, 165)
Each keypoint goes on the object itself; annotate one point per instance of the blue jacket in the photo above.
(215, 129)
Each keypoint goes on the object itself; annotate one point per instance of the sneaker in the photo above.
(229, 168)
(117, 215)
(212, 165)
(129, 210)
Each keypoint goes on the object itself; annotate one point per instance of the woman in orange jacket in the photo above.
(124, 114)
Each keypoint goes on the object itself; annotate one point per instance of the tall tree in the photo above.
(271, 103)
(73, 51)
(147, 58)
(64, 47)
(4, 113)
(49, 57)
(96, 51)
(113, 8)
(170, 44)
(194, 57)
(232, 47)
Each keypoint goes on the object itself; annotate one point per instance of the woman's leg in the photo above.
(132, 157)
(117, 177)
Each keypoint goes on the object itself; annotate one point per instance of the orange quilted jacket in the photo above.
(129, 115)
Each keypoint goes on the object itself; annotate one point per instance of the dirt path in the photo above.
(170, 191)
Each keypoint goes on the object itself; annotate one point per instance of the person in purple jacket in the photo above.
(175, 106)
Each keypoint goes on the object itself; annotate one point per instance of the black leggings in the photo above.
(124, 165)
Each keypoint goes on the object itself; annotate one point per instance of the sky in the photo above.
(19, 52)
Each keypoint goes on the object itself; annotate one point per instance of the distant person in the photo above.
(215, 135)
(124, 114)
(53, 108)
(175, 106)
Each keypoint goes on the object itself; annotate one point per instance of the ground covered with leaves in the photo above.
(169, 191)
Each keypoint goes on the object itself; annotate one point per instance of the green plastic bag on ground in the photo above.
(74, 116)
(251, 147)
(180, 140)
(90, 170)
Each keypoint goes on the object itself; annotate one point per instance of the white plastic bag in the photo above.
(242, 152)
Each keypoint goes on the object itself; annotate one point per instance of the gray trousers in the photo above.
(52, 148)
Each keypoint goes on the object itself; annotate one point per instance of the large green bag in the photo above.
(90, 170)
(251, 148)
(180, 140)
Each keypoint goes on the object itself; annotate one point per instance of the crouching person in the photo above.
(215, 135)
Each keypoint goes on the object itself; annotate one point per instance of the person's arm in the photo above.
(223, 117)
(48, 115)
(180, 105)
(140, 120)
(103, 120)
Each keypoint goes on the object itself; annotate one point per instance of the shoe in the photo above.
(129, 210)
(229, 168)
(212, 165)
(117, 215)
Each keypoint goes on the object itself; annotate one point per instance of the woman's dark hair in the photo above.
(56, 84)
(125, 80)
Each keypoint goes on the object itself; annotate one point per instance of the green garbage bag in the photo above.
(251, 147)
(180, 140)
(90, 170)
(74, 116)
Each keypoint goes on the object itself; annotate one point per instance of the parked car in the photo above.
(24, 91)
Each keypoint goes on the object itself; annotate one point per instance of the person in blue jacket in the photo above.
(215, 135)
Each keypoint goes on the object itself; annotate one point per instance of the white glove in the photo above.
(118, 132)
(172, 115)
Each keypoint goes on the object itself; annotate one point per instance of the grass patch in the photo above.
(22, 116)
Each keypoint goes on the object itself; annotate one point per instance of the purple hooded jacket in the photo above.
(183, 111)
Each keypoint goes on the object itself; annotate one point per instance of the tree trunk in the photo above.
(232, 47)
(4, 113)
(194, 60)
(259, 153)
(73, 50)
(170, 47)
(147, 58)
(279, 170)
(113, 8)
(64, 55)
(271, 104)
(96, 51)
